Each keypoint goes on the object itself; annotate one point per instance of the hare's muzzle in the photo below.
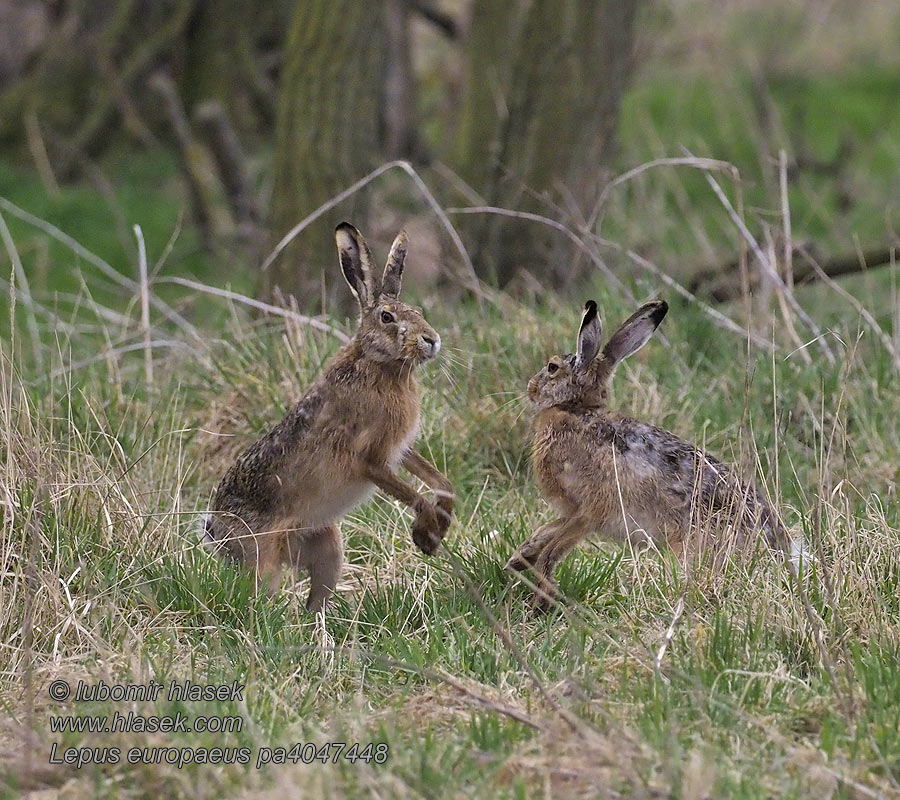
(429, 345)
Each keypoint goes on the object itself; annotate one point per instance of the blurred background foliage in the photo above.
(227, 122)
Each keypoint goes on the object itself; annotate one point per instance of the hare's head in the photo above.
(582, 378)
(389, 330)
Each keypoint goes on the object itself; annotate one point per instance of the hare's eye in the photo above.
(551, 367)
(387, 317)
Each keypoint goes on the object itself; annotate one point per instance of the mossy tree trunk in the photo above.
(545, 84)
(329, 133)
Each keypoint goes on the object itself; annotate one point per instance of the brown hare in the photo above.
(627, 480)
(282, 499)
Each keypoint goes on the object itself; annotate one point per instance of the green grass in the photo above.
(674, 216)
(104, 477)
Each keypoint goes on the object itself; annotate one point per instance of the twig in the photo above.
(718, 318)
(686, 161)
(470, 280)
(39, 153)
(145, 305)
(769, 269)
(786, 218)
(231, 161)
(860, 308)
(191, 157)
(443, 22)
(58, 323)
(670, 633)
(577, 725)
(563, 229)
(24, 289)
(173, 344)
(249, 301)
(785, 311)
(108, 270)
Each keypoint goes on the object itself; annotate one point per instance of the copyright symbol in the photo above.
(59, 690)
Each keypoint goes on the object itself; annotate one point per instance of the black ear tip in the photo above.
(345, 226)
(591, 306)
(659, 312)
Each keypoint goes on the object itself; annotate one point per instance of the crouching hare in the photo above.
(281, 501)
(624, 479)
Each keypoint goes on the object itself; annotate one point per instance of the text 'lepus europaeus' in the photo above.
(280, 502)
(624, 479)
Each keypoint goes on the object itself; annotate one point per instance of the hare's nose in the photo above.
(430, 342)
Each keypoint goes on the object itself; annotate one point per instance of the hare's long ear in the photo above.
(635, 332)
(588, 336)
(393, 270)
(356, 264)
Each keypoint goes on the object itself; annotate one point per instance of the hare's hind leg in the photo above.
(557, 546)
(322, 555)
(261, 553)
(527, 553)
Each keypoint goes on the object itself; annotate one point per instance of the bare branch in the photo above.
(768, 268)
(312, 322)
(111, 272)
(469, 280)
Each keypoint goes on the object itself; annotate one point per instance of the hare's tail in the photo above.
(796, 548)
(801, 555)
(205, 531)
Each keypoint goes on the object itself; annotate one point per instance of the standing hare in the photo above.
(625, 479)
(281, 501)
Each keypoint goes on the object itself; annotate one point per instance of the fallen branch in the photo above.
(722, 283)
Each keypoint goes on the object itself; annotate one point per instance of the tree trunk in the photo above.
(546, 81)
(328, 134)
(399, 95)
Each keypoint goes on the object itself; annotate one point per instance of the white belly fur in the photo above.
(404, 446)
(327, 502)
(637, 530)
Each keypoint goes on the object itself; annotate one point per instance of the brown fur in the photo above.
(624, 479)
(281, 500)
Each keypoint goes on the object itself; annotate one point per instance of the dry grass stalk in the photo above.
(145, 305)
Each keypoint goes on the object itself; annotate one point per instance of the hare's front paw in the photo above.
(427, 528)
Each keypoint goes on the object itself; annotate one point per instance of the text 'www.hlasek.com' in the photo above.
(180, 693)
